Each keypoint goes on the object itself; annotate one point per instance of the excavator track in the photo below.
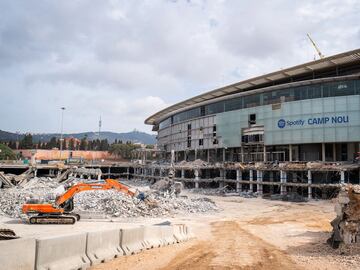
(53, 219)
(7, 234)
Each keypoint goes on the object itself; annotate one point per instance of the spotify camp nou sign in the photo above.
(314, 121)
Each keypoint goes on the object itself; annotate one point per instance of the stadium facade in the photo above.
(309, 112)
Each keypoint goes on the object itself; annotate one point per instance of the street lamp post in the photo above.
(61, 134)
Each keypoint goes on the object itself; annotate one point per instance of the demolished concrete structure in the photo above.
(346, 225)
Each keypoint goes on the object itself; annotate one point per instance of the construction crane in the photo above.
(316, 47)
(61, 211)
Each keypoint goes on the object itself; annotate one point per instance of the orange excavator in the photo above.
(61, 211)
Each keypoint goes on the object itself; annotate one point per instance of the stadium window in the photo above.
(202, 110)
(215, 141)
(201, 142)
(252, 119)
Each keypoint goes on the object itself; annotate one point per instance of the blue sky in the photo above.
(125, 60)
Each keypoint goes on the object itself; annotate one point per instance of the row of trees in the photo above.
(67, 144)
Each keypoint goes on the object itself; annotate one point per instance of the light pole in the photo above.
(61, 134)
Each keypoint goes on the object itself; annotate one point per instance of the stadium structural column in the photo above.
(259, 181)
(242, 154)
(238, 179)
(323, 152)
(264, 153)
(334, 151)
(342, 177)
(290, 153)
(271, 179)
(196, 172)
(221, 182)
(309, 176)
(251, 178)
(283, 180)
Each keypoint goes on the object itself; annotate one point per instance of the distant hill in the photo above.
(134, 136)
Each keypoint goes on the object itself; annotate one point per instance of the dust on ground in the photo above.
(250, 234)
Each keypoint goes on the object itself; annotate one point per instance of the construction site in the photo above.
(261, 174)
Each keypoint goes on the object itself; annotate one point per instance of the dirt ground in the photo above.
(250, 234)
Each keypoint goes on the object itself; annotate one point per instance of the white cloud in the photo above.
(125, 60)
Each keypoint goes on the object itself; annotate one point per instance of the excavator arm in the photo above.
(109, 184)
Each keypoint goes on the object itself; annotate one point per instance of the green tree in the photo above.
(6, 153)
(71, 144)
(52, 143)
(27, 142)
(83, 144)
(123, 150)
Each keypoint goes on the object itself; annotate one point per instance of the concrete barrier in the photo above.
(152, 237)
(167, 235)
(180, 233)
(62, 252)
(102, 246)
(17, 254)
(132, 240)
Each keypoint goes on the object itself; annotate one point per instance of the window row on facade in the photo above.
(332, 89)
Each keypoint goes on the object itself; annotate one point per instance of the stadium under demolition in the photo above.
(292, 135)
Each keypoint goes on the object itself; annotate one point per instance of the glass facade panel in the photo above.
(323, 90)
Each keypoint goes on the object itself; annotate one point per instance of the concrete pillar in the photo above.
(264, 152)
(323, 152)
(242, 154)
(182, 173)
(251, 178)
(127, 173)
(208, 155)
(271, 179)
(224, 155)
(221, 183)
(35, 172)
(290, 153)
(309, 175)
(109, 171)
(342, 177)
(196, 178)
(334, 151)
(195, 154)
(238, 179)
(259, 181)
(283, 180)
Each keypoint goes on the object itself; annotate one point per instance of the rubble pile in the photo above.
(110, 202)
(12, 199)
(117, 204)
(346, 225)
(192, 164)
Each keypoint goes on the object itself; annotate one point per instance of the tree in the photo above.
(123, 150)
(52, 143)
(6, 153)
(71, 144)
(104, 145)
(83, 144)
(27, 142)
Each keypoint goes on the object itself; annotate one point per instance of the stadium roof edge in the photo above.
(335, 60)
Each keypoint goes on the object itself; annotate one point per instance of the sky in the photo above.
(125, 60)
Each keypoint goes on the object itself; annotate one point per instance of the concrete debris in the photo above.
(346, 225)
(192, 164)
(110, 202)
(288, 197)
(116, 204)
(167, 184)
(12, 199)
